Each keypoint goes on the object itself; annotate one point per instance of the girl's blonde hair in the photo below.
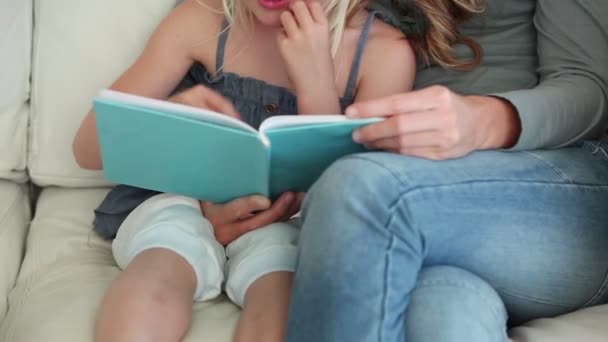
(432, 26)
(338, 14)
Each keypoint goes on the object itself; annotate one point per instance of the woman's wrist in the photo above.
(501, 126)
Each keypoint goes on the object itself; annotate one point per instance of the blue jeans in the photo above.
(397, 249)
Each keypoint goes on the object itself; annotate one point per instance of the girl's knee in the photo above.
(138, 307)
(271, 249)
(174, 224)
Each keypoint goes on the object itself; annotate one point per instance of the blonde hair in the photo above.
(444, 18)
(338, 14)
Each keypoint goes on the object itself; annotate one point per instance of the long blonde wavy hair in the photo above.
(338, 14)
(444, 19)
(440, 24)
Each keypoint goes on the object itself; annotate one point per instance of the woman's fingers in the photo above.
(399, 125)
(416, 140)
(416, 101)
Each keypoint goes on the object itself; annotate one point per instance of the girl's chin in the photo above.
(272, 19)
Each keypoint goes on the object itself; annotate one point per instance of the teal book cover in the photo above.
(167, 147)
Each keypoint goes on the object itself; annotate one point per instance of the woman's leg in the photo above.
(169, 256)
(533, 225)
(259, 276)
(449, 304)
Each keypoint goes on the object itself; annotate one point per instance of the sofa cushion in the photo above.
(14, 217)
(80, 47)
(66, 270)
(15, 43)
(587, 325)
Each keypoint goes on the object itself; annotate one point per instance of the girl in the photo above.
(249, 59)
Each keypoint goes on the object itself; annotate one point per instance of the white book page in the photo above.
(174, 108)
(299, 120)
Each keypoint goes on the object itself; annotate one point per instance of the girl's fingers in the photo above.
(278, 210)
(302, 14)
(220, 104)
(289, 23)
(317, 12)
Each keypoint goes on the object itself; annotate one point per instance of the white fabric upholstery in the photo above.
(80, 47)
(66, 271)
(589, 325)
(14, 217)
(15, 43)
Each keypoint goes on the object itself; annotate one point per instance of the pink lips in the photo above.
(274, 4)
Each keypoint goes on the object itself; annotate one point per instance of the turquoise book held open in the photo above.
(168, 147)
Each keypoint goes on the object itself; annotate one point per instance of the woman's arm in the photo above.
(163, 63)
(571, 101)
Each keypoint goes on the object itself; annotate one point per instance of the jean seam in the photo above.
(555, 169)
(468, 182)
(535, 300)
(599, 293)
(498, 313)
(386, 288)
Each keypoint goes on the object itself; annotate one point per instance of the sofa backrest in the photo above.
(15, 52)
(79, 48)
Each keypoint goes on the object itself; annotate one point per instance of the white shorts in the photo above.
(176, 223)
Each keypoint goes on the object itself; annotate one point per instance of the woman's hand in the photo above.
(436, 123)
(242, 215)
(202, 97)
(306, 50)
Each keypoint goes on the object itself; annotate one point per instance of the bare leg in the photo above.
(264, 315)
(151, 300)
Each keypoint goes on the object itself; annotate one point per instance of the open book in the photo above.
(169, 147)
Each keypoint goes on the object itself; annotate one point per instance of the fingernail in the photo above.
(263, 202)
(357, 136)
(351, 112)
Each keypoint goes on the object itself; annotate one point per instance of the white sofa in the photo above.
(53, 268)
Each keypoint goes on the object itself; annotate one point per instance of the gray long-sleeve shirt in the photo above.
(549, 58)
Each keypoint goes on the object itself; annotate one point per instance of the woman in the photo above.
(455, 235)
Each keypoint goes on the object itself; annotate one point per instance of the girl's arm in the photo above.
(305, 46)
(158, 70)
(388, 64)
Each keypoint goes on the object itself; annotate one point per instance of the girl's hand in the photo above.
(305, 47)
(436, 123)
(202, 97)
(242, 215)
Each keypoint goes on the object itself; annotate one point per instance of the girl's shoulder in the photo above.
(383, 35)
(194, 21)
